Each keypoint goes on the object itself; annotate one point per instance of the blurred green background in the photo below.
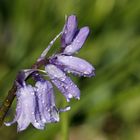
(109, 108)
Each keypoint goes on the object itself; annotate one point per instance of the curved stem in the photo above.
(7, 103)
(65, 124)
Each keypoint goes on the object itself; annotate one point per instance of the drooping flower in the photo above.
(47, 111)
(26, 109)
(62, 82)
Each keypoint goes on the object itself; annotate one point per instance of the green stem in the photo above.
(7, 103)
(65, 124)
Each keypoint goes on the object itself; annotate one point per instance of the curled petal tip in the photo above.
(65, 109)
(7, 123)
(38, 126)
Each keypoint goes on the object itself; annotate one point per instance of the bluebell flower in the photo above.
(36, 103)
(62, 82)
(26, 109)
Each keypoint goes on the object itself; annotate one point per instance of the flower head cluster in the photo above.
(36, 104)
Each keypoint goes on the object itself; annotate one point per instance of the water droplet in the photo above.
(66, 87)
(62, 79)
(70, 96)
(68, 100)
(32, 93)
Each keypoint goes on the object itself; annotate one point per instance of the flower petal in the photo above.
(62, 82)
(74, 65)
(70, 29)
(25, 109)
(46, 102)
(77, 42)
(26, 98)
(31, 107)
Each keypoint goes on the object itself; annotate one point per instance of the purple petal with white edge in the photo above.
(27, 97)
(46, 102)
(25, 110)
(77, 42)
(74, 65)
(69, 30)
(62, 82)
